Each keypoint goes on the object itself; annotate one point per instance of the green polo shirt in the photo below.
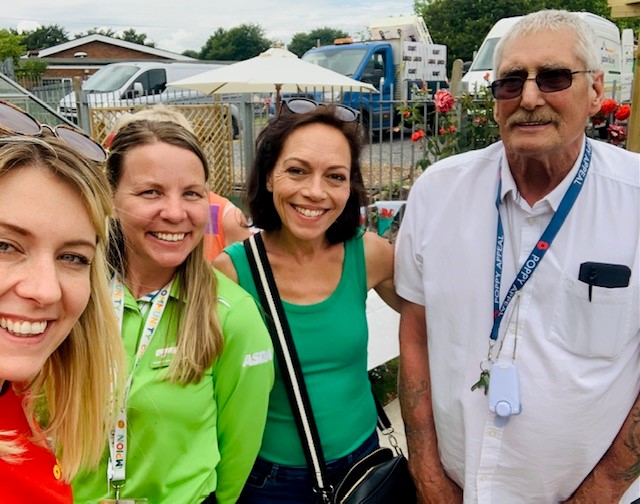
(185, 442)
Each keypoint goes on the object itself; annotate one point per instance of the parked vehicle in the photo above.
(400, 59)
(611, 52)
(139, 83)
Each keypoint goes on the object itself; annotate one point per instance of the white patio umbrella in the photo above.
(276, 70)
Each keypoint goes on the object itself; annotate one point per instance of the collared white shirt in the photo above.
(578, 361)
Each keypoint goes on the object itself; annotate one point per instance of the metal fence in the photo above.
(388, 160)
(50, 91)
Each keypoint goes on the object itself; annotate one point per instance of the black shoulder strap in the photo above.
(288, 362)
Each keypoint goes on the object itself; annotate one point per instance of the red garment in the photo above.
(214, 240)
(37, 477)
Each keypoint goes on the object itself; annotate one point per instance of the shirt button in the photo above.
(532, 220)
(492, 433)
(57, 472)
(483, 478)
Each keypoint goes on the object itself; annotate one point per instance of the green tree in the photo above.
(463, 34)
(44, 37)
(302, 42)
(236, 44)
(31, 68)
(107, 32)
(191, 53)
(10, 46)
(130, 35)
(630, 22)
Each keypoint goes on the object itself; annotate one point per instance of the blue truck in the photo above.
(399, 59)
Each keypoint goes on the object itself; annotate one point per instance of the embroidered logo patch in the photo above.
(257, 358)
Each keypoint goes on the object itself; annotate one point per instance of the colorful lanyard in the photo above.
(540, 248)
(118, 439)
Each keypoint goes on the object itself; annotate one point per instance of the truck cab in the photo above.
(399, 58)
(370, 62)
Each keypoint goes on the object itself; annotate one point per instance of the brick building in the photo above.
(85, 55)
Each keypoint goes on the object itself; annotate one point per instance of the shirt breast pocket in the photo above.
(598, 328)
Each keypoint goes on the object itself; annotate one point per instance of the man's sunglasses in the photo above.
(303, 105)
(15, 121)
(548, 81)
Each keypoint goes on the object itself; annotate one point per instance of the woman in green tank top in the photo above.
(305, 193)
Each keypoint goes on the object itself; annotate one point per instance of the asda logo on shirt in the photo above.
(257, 358)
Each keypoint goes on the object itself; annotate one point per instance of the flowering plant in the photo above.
(457, 125)
(443, 138)
(610, 122)
(478, 127)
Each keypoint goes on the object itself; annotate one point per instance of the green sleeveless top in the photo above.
(331, 341)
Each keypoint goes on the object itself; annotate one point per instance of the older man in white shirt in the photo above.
(521, 264)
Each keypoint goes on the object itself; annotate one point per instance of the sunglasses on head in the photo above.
(16, 121)
(303, 105)
(548, 81)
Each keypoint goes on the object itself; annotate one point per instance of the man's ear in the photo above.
(596, 92)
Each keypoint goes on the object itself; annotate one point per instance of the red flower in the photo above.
(623, 112)
(441, 131)
(406, 113)
(617, 133)
(417, 135)
(597, 120)
(487, 76)
(608, 106)
(444, 101)
(452, 128)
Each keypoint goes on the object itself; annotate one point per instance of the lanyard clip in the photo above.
(117, 486)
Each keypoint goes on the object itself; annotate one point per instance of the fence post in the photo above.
(82, 112)
(246, 130)
(633, 139)
(456, 76)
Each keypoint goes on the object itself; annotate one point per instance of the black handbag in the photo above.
(382, 477)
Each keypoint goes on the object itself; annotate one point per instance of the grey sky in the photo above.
(180, 25)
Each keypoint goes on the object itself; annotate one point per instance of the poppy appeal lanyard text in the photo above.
(540, 248)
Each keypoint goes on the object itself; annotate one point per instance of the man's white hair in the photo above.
(555, 20)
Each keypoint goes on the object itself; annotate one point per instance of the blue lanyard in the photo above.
(540, 249)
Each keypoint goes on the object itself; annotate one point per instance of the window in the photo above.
(374, 69)
(153, 81)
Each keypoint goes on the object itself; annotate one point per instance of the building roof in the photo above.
(52, 51)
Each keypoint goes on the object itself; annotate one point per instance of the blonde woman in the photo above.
(200, 358)
(227, 223)
(59, 340)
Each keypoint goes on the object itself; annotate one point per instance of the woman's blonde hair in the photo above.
(78, 379)
(158, 112)
(199, 339)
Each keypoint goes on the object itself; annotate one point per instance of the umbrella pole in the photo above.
(278, 99)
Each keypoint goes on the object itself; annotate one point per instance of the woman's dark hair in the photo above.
(269, 145)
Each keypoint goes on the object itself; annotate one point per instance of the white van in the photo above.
(610, 52)
(145, 82)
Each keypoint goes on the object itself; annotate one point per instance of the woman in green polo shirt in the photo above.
(199, 356)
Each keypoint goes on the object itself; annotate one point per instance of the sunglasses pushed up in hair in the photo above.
(16, 121)
(548, 81)
(303, 105)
